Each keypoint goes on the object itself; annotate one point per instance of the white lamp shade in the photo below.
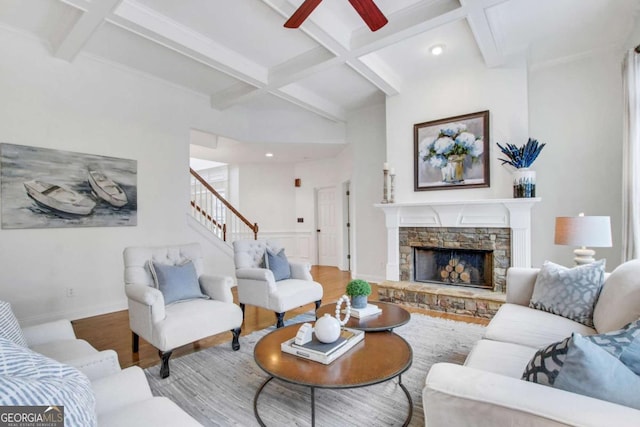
(592, 231)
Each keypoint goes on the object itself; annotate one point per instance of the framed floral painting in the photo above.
(452, 153)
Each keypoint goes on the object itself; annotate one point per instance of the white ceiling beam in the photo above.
(156, 27)
(481, 30)
(309, 100)
(92, 18)
(226, 98)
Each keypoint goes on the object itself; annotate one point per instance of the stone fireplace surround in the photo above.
(459, 216)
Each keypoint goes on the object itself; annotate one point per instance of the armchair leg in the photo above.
(164, 368)
(318, 303)
(135, 342)
(235, 344)
(280, 318)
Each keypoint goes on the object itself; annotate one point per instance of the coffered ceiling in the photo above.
(237, 52)
(239, 55)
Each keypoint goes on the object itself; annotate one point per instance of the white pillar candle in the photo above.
(385, 166)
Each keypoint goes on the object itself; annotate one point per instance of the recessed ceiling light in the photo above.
(268, 154)
(437, 49)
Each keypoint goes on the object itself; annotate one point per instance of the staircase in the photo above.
(216, 214)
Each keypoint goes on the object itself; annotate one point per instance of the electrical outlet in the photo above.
(71, 293)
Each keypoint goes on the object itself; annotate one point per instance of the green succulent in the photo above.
(358, 287)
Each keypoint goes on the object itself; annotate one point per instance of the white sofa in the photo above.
(122, 397)
(488, 389)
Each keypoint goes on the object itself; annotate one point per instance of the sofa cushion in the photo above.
(9, 326)
(278, 263)
(534, 328)
(65, 350)
(592, 371)
(619, 301)
(500, 357)
(31, 379)
(569, 292)
(176, 282)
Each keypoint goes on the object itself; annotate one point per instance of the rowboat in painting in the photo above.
(106, 189)
(59, 198)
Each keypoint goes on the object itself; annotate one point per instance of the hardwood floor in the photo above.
(111, 331)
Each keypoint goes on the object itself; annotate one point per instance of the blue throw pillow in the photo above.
(176, 282)
(592, 371)
(278, 264)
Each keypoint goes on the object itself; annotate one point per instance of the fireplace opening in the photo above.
(460, 267)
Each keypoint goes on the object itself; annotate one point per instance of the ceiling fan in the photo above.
(367, 9)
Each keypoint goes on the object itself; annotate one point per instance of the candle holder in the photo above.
(392, 189)
(385, 190)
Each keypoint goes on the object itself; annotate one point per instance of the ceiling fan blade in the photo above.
(370, 13)
(302, 13)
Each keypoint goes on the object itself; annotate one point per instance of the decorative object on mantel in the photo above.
(583, 231)
(452, 153)
(385, 188)
(521, 158)
(392, 185)
(358, 290)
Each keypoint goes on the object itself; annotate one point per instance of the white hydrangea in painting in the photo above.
(451, 153)
(452, 140)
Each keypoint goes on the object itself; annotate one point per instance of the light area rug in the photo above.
(217, 386)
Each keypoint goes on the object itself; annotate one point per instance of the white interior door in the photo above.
(327, 231)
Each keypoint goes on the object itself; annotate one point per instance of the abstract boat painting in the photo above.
(45, 188)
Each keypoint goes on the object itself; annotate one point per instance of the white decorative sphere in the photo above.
(327, 329)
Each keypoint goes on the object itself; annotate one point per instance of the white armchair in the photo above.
(257, 285)
(167, 327)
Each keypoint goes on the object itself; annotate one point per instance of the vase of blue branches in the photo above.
(521, 158)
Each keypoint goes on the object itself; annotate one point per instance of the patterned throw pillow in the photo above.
(547, 363)
(9, 326)
(31, 379)
(278, 264)
(624, 345)
(569, 292)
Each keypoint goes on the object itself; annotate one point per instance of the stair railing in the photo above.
(214, 212)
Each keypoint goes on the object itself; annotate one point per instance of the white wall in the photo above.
(366, 133)
(93, 107)
(314, 175)
(453, 92)
(576, 108)
(267, 195)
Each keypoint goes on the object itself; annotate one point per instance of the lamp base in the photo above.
(584, 256)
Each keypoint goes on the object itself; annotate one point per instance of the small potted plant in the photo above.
(358, 290)
(521, 158)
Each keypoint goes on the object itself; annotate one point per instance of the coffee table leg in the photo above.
(255, 402)
(313, 406)
(410, 414)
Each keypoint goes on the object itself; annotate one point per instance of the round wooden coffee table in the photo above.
(361, 366)
(391, 317)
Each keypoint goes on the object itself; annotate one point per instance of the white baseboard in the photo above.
(370, 278)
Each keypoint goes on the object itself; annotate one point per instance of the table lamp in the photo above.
(583, 231)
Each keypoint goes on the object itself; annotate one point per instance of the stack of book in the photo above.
(323, 352)
(369, 310)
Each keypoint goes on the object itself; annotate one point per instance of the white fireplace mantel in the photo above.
(497, 213)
